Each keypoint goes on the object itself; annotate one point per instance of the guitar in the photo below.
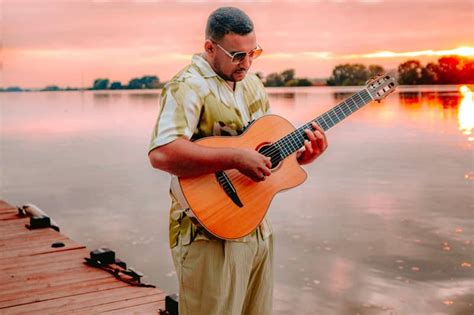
(230, 205)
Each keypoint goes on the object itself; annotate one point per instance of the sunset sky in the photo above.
(70, 43)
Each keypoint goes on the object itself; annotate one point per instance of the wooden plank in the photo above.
(84, 301)
(40, 282)
(10, 214)
(5, 206)
(125, 303)
(141, 305)
(40, 249)
(59, 291)
(23, 274)
(32, 241)
(18, 223)
(38, 261)
(149, 308)
(45, 239)
(21, 231)
(8, 211)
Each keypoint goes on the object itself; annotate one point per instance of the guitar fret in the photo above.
(341, 114)
(354, 102)
(321, 122)
(280, 148)
(332, 116)
(348, 107)
(348, 110)
(296, 140)
(331, 122)
(289, 146)
(362, 100)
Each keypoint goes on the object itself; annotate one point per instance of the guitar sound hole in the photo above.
(272, 152)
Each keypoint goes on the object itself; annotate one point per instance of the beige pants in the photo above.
(224, 277)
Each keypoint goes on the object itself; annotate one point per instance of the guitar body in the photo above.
(212, 206)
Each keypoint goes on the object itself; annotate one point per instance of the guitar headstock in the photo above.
(381, 85)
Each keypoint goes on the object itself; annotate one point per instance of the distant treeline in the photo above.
(285, 78)
(447, 70)
(145, 82)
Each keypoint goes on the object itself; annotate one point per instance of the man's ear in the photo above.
(209, 48)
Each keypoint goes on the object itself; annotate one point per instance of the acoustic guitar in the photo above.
(230, 205)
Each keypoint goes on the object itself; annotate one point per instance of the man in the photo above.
(215, 95)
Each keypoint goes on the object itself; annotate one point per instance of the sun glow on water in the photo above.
(466, 112)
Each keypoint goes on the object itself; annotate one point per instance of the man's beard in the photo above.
(225, 77)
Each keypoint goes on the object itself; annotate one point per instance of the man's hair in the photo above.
(227, 20)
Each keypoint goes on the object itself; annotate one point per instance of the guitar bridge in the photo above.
(229, 189)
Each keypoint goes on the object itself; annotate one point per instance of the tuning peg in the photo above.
(370, 80)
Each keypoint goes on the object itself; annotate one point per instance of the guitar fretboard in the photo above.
(295, 140)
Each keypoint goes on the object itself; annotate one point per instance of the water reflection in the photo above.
(445, 104)
(340, 96)
(466, 112)
(101, 97)
(441, 100)
(144, 96)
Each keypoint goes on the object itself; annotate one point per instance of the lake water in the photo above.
(383, 225)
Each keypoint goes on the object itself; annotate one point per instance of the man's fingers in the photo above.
(316, 138)
(268, 162)
(316, 126)
(266, 172)
(321, 133)
(310, 135)
(320, 142)
(308, 147)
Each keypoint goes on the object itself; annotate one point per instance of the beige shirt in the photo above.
(198, 103)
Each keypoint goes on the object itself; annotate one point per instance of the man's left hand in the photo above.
(313, 147)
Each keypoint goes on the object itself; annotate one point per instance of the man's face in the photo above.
(222, 63)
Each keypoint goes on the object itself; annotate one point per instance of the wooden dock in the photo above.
(36, 278)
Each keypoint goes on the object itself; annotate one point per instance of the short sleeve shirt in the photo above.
(198, 103)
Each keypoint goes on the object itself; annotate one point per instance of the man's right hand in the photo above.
(182, 157)
(252, 164)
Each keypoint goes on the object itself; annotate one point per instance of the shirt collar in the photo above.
(203, 66)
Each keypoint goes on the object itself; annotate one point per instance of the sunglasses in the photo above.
(239, 56)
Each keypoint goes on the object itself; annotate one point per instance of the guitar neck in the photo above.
(295, 140)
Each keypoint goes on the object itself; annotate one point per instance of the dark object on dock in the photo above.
(171, 305)
(103, 255)
(57, 245)
(104, 258)
(39, 222)
(120, 263)
(135, 274)
(38, 218)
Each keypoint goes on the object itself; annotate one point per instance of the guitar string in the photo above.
(295, 140)
(333, 115)
(292, 141)
(289, 140)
